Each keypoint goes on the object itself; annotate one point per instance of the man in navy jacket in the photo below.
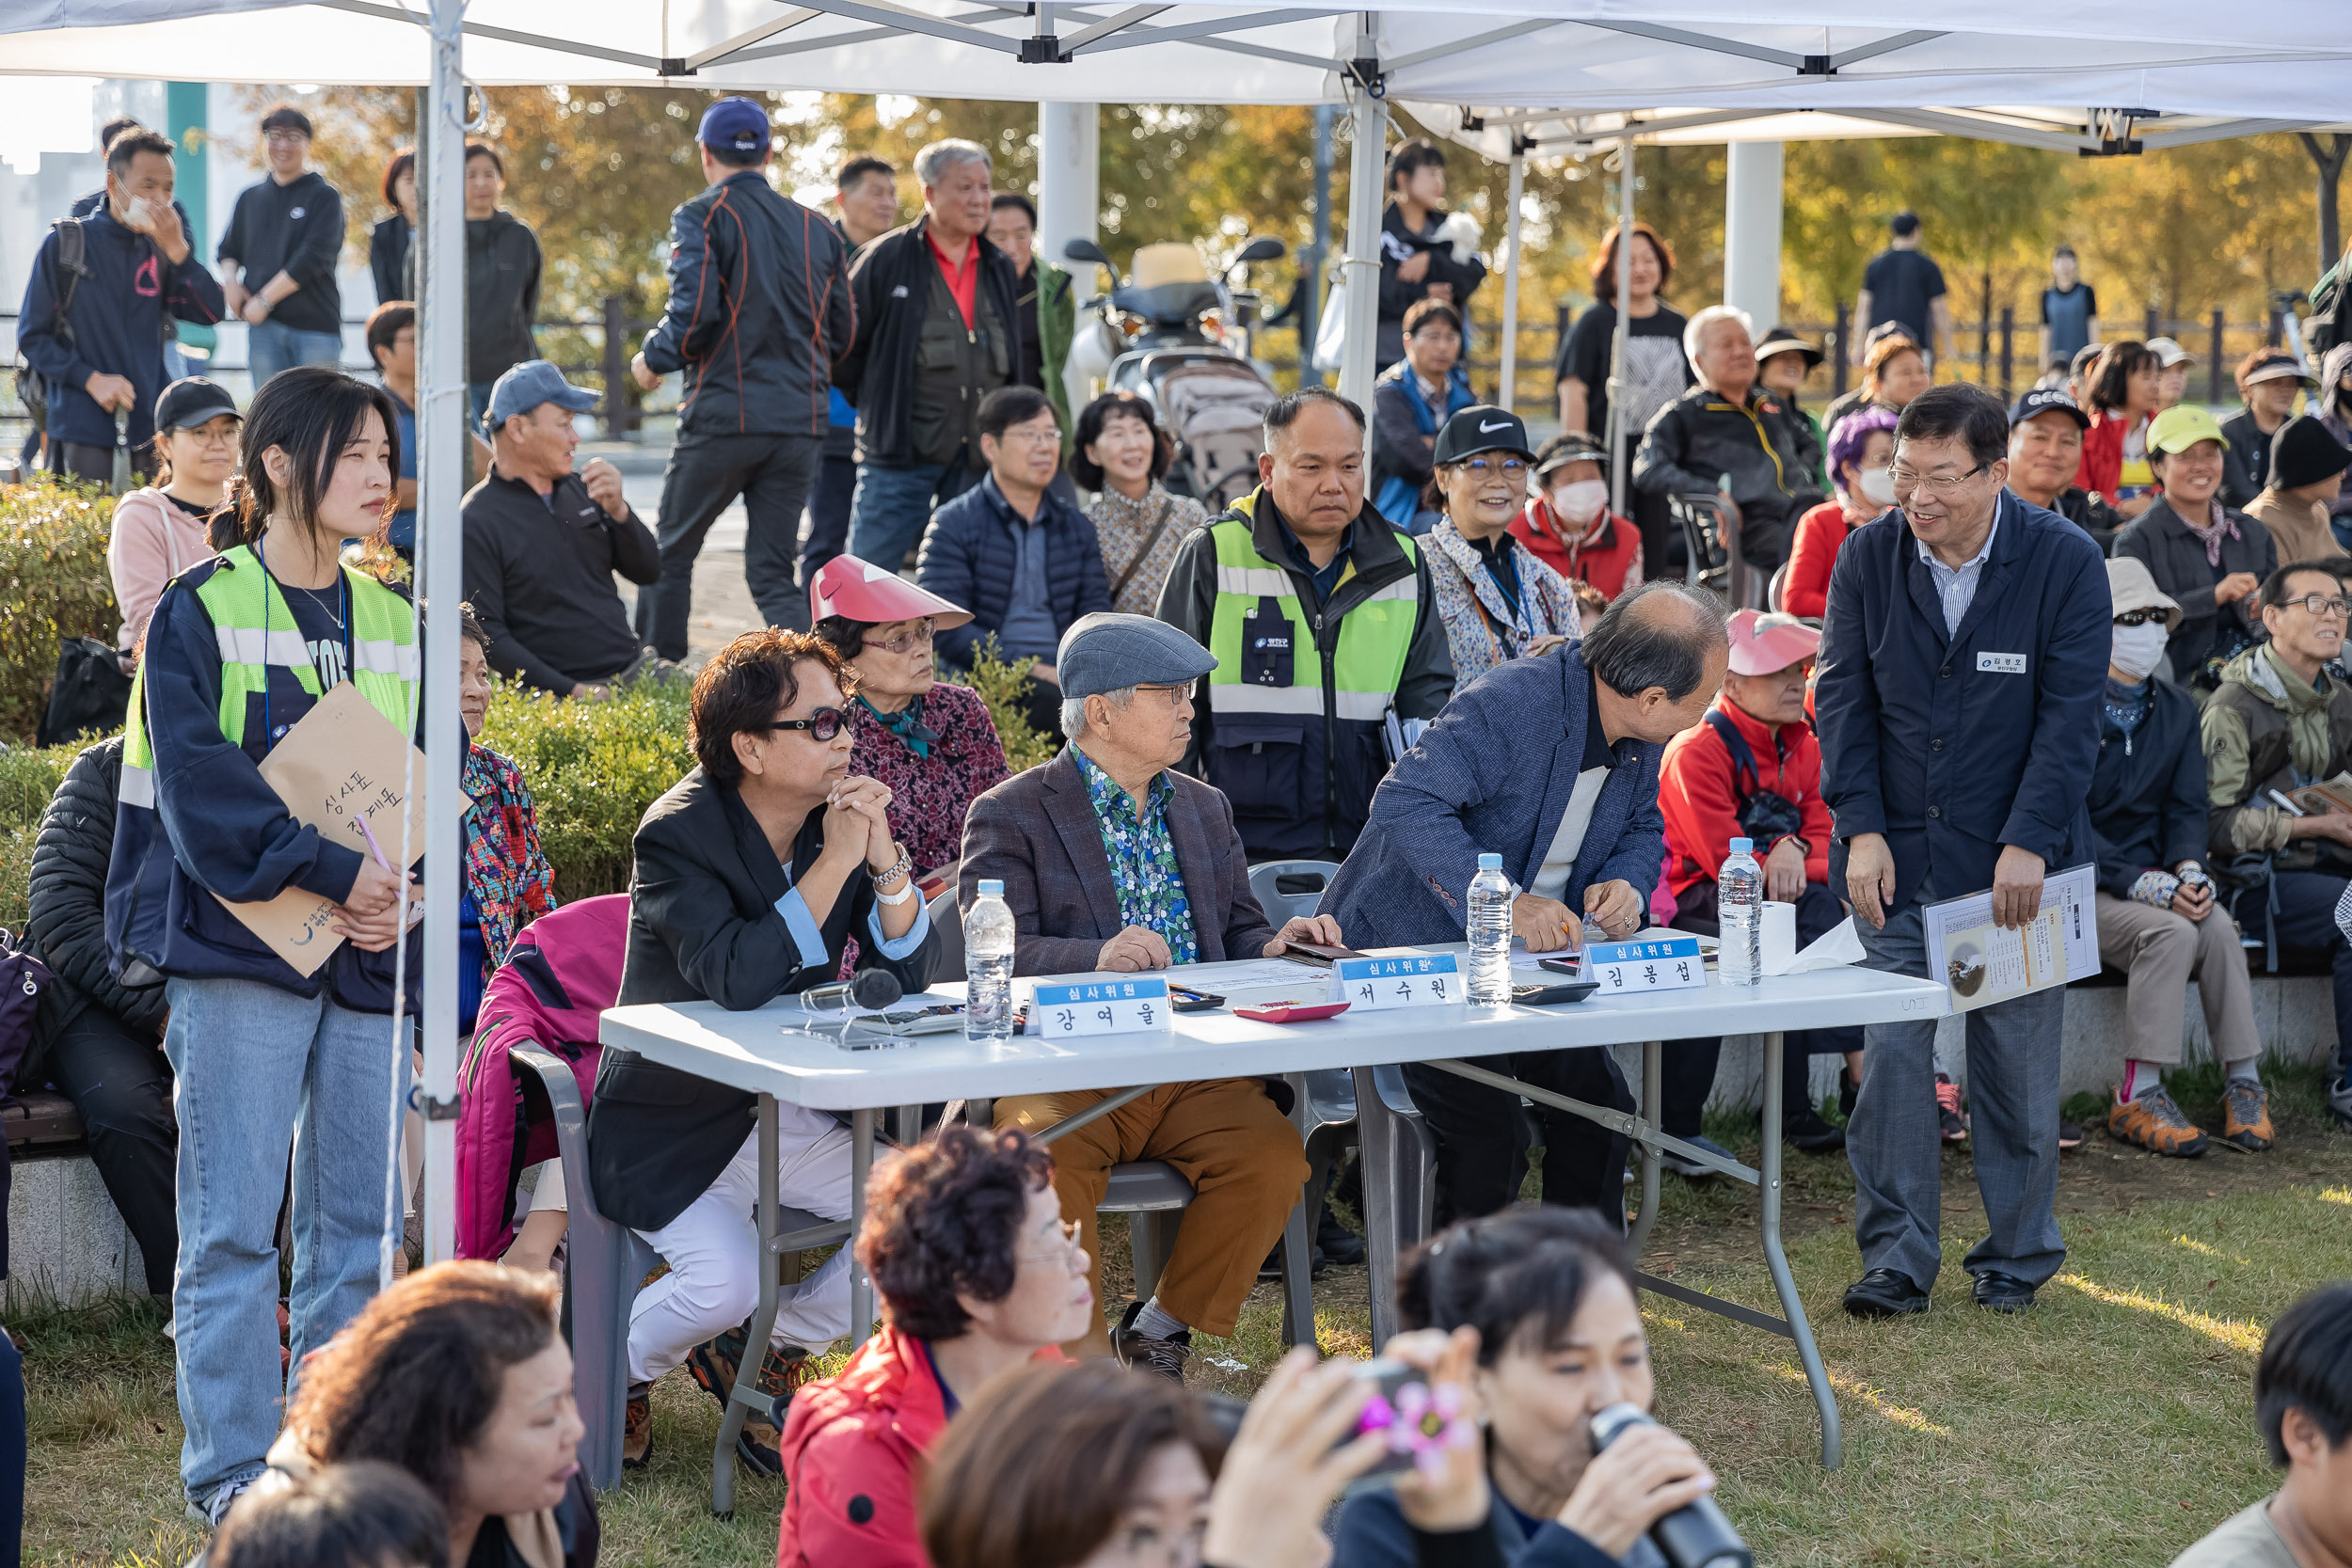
(1961, 662)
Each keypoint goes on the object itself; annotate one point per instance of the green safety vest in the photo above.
(1367, 664)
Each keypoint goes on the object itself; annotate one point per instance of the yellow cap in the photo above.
(2181, 427)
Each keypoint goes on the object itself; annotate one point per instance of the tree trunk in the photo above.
(2330, 165)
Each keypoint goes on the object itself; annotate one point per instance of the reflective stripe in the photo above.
(1402, 588)
(1366, 706)
(252, 645)
(138, 787)
(1255, 582)
(386, 657)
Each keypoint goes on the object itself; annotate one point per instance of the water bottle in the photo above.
(988, 966)
(1491, 935)
(1739, 916)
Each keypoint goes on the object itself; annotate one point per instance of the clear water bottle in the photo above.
(1739, 916)
(988, 966)
(1491, 935)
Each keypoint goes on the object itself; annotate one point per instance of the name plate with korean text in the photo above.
(1653, 963)
(1416, 980)
(1099, 1007)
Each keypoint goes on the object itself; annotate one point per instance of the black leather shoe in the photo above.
(1808, 1133)
(2001, 1293)
(1884, 1294)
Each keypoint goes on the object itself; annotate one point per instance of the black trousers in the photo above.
(773, 474)
(828, 517)
(71, 458)
(1482, 1149)
(121, 1084)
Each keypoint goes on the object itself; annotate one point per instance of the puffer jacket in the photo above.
(860, 1436)
(1702, 436)
(968, 558)
(2262, 728)
(66, 926)
(2333, 369)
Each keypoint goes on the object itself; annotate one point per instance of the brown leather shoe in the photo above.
(2153, 1121)
(637, 1433)
(2245, 1116)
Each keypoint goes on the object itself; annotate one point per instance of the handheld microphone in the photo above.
(1696, 1535)
(869, 988)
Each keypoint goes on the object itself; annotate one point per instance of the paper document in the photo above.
(1981, 963)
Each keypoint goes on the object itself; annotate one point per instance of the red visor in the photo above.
(860, 590)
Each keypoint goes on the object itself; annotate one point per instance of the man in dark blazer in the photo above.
(1963, 659)
(752, 875)
(1112, 860)
(1553, 763)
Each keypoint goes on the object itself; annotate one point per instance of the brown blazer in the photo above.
(1038, 833)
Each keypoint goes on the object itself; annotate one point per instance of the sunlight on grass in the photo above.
(2235, 1333)
(2204, 1249)
(1901, 1416)
(2336, 1194)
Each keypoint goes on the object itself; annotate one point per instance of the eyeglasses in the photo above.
(1510, 467)
(823, 724)
(1942, 485)
(1047, 438)
(2138, 617)
(2320, 605)
(906, 643)
(285, 138)
(1068, 1254)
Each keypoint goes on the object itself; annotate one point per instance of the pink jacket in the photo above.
(155, 540)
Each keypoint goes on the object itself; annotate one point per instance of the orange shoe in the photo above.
(2153, 1122)
(2245, 1116)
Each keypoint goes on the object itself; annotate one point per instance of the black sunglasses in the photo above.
(823, 724)
(2138, 617)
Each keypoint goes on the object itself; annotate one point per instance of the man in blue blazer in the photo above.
(1553, 763)
(1963, 660)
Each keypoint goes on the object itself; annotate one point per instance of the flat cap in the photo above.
(1107, 651)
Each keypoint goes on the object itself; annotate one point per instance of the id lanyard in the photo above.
(269, 736)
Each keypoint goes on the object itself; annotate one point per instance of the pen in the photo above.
(373, 848)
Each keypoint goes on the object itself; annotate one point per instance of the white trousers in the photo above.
(714, 1255)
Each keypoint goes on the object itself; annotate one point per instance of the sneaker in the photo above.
(1949, 1118)
(2246, 1114)
(2153, 1122)
(2070, 1135)
(216, 1508)
(1807, 1132)
(637, 1433)
(1166, 1357)
(2340, 1102)
(784, 1368)
(1682, 1166)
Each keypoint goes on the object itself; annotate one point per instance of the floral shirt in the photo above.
(1144, 872)
(929, 794)
(1124, 526)
(1482, 627)
(507, 874)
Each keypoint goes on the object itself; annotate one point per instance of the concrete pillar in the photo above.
(1751, 201)
(1069, 188)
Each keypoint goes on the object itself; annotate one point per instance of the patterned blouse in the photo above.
(930, 794)
(1482, 629)
(507, 874)
(1143, 859)
(1123, 525)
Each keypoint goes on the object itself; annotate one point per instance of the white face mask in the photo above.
(2139, 649)
(1578, 501)
(1875, 487)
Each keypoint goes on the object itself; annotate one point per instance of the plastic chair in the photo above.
(1265, 885)
(1395, 1139)
(947, 920)
(1772, 589)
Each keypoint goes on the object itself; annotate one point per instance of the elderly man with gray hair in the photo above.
(1730, 428)
(937, 327)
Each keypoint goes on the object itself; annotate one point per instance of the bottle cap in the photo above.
(991, 888)
(1490, 862)
(1739, 846)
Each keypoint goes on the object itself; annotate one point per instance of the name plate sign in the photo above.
(1418, 980)
(1654, 963)
(1099, 1007)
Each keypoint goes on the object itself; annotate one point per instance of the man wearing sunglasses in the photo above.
(2278, 722)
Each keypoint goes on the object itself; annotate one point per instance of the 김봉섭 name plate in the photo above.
(1653, 963)
(1099, 1007)
(1415, 980)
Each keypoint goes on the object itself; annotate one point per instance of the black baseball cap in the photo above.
(1482, 428)
(2041, 400)
(192, 401)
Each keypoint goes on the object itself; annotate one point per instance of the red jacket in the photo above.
(2101, 467)
(1612, 564)
(1804, 587)
(1700, 802)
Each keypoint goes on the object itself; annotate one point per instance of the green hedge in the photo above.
(54, 585)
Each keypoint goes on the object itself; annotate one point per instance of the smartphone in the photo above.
(1563, 966)
(1316, 953)
(1291, 1012)
(1186, 1000)
(1386, 1413)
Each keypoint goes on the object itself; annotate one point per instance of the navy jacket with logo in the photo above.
(118, 319)
(1954, 746)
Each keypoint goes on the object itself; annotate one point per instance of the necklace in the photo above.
(326, 605)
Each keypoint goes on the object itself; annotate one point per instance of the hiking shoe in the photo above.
(2070, 1135)
(637, 1433)
(713, 1364)
(1949, 1118)
(1683, 1165)
(2245, 1116)
(2340, 1102)
(1806, 1132)
(1166, 1357)
(2153, 1122)
(1885, 1294)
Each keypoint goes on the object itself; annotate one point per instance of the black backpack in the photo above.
(31, 390)
(1764, 814)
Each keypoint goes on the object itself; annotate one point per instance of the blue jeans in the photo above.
(255, 1066)
(477, 405)
(892, 506)
(272, 347)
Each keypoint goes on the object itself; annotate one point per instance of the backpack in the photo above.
(23, 979)
(31, 389)
(1217, 411)
(1764, 814)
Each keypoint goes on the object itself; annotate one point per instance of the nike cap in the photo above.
(1482, 428)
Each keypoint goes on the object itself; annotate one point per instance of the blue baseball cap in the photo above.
(526, 387)
(737, 124)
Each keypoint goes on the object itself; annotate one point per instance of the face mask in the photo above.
(2139, 649)
(1876, 488)
(1578, 501)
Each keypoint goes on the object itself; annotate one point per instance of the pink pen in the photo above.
(373, 848)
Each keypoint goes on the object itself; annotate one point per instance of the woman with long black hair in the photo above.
(240, 648)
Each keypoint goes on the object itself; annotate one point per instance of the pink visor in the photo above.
(1765, 644)
(860, 590)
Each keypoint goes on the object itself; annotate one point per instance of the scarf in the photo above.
(2212, 533)
(2125, 706)
(907, 725)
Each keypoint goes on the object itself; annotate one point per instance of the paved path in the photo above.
(723, 605)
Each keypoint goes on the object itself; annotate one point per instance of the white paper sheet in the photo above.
(1997, 965)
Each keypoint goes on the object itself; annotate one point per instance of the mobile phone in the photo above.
(1402, 1415)
(1563, 966)
(1183, 999)
(1316, 953)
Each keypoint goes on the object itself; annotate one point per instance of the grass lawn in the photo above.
(2113, 1423)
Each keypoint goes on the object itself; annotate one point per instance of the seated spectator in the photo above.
(2045, 445)
(509, 883)
(1860, 446)
(931, 743)
(1122, 455)
(2267, 382)
(1783, 360)
(1024, 561)
(1497, 601)
(1752, 769)
(1728, 425)
(2126, 386)
(357, 1515)
(1412, 399)
(1546, 1296)
(2277, 722)
(2303, 1409)
(1171, 867)
(2305, 472)
(542, 543)
(976, 1273)
(162, 531)
(752, 874)
(2207, 559)
(1869, 393)
(2157, 920)
(1568, 522)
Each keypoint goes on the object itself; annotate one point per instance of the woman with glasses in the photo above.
(2208, 559)
(931, 743)
(1496, 600)
(753, 876)
(976, 1274)
(162, 530)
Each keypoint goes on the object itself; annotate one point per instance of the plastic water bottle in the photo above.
(1739, 916)
(988, 966)
(1491, 935)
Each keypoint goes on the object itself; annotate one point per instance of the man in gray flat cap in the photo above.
(1111, 860)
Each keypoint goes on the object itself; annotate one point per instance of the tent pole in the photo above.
(1507, 394)
(1617, 487)
(1367, 158)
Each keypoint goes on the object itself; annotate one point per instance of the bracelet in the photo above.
(896, 868)
(894, 899)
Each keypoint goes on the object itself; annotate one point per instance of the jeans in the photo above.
(272, 347)
(894, 506)
(478, 406)
(773, 474)
(121, 1084)
(256, 1065)
(828, 517)
(2307, 931)
(1482, 1157)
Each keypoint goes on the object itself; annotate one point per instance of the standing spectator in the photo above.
(1411, 399)
(1495, 598)
(390, 243)
(1890, 376)
(164, 530)
(1041, 299)
(866, 193)
(2268, 382)
(1568, 522)
(278, 255)
(759, 312)
(937, 329)
(1122, 456)
(501, 280)
(2045, 447)
(101, 358)
(1859, 447)
(391, 339)
(1294, 733)
(930, 742)
(2208, 559)
(1425, 252)
(542, 543)
(2305, 476)
(2125, 393)
(175, 363)
(1783, 360)
(1946, 773)
(2070, 309)
(1903, 284)
(1657, 370)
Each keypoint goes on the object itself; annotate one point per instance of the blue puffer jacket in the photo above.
(968, 558)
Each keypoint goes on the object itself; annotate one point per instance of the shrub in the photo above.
(53, 583)
(27, 779)
(593, 769)
(999, 685)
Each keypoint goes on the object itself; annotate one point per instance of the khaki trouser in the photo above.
(1241, 1155)
(2162, 951)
